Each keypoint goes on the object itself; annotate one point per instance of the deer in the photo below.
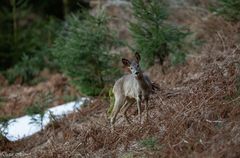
(131, 88)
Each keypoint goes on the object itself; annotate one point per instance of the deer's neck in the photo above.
(141, 81)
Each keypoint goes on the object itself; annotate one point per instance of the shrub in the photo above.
(230, 9)
(154, 37)
(82, 51)
(26, 70)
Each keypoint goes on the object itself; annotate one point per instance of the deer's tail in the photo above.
(155, 87)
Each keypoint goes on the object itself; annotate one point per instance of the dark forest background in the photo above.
(27, 27)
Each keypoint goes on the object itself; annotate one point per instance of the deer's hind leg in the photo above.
(119, 101)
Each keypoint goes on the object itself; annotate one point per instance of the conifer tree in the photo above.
(82, 51)
(153, 36)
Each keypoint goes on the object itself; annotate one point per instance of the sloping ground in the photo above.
(196, 113)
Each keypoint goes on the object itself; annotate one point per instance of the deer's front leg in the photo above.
(146, 108)
(139, 99)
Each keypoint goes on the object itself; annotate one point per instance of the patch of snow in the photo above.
(25, 126)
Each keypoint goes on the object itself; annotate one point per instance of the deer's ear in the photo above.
(126, 62)
(137, 56)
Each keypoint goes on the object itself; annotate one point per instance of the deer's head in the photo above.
(133, 65)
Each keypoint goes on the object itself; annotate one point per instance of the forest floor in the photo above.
(196, 113)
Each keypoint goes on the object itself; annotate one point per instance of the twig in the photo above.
(217, 121)
(224, 46)
(75, 149)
